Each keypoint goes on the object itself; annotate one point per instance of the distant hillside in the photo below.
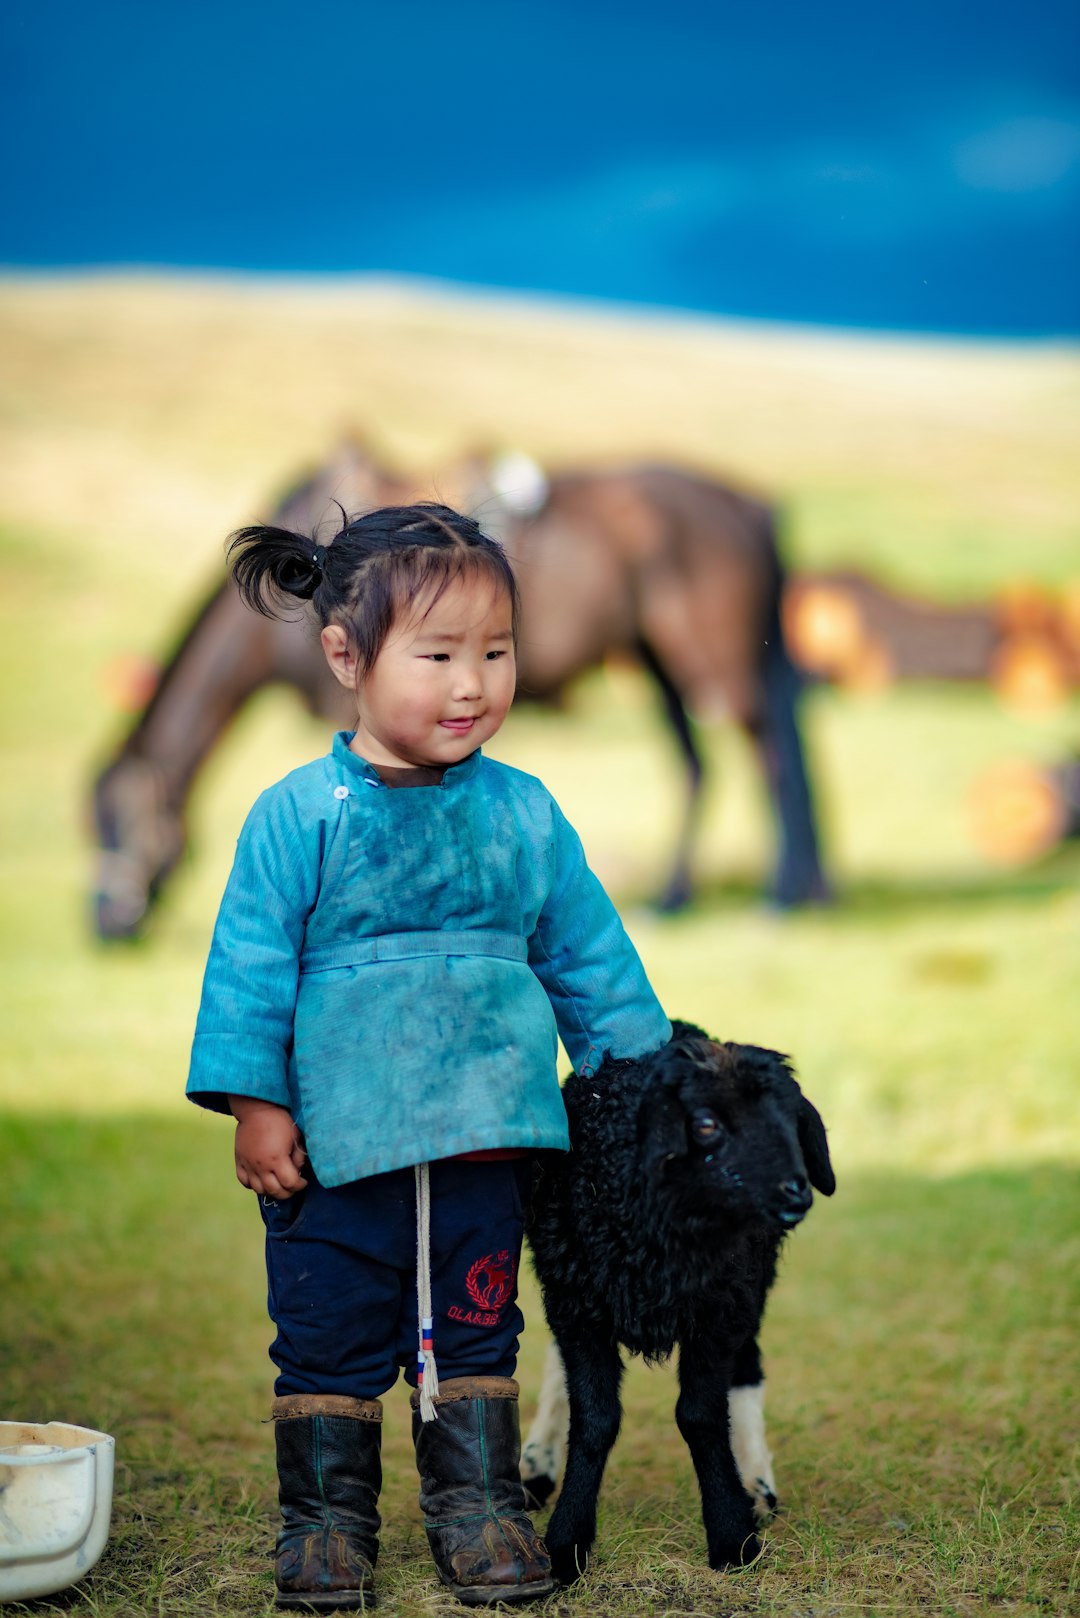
(149, 416)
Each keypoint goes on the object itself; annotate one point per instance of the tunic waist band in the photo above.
(406, 946)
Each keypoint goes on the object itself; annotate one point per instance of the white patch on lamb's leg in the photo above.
(746, 1422)
(544, 1449)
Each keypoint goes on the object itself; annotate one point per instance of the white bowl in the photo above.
(56, 1486)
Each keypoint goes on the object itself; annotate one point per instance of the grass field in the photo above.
(922, 1340)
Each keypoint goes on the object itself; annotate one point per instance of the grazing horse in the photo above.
(226, 654)
(674, 569)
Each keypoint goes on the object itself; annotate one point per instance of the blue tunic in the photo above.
(393, 966)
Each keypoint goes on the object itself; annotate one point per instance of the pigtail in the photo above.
(375, 566)
(270, 563)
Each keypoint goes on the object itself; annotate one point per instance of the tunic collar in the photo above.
(356, 765)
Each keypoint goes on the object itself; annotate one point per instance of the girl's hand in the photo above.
(268, 1148)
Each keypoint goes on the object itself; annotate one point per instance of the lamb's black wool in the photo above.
(661, 1227)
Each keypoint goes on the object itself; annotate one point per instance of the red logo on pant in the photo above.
(491, 1280)
(490, 1285)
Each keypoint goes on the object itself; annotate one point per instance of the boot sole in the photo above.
(347, 1601)
(489, 1595)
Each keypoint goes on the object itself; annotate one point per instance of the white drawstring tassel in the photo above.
(427, 1376)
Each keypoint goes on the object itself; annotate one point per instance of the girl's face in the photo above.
(443, 681)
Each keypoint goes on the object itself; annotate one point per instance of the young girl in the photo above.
(407, 928)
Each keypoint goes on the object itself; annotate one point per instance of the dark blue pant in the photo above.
(341, 1272)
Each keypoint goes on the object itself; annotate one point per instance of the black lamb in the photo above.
(662, 1226)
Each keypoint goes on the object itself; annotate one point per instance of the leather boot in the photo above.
(329, 1476)
(484, 1544)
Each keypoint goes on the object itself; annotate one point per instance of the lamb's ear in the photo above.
(661, 1131)
(815, 1148)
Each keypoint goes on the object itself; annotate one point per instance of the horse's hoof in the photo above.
(818, 893)
(674, 898)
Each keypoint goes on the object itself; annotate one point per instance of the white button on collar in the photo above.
(341, 792)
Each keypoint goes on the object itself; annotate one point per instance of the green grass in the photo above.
(916, 1346)
(922, 1339)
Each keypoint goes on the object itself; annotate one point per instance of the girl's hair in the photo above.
(372, 571)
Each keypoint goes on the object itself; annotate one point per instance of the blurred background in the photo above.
(919, 173)
(821, 261)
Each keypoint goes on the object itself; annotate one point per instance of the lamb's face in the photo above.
(726, 1129)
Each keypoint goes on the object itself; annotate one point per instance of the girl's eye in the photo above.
(706, 1126)
(439, 657)
(493, 655)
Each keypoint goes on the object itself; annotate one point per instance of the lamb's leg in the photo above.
(746, 1422)
(593, 1375)
(702, 1415)
(545, 1447)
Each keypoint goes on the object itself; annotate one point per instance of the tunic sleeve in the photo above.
(243, 1036)
(593, 976)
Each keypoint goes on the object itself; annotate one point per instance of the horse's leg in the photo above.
(799, 878)
(545, 1447)
(702, 1415)
(746, 1422)
(679, 889)
(593, 1376)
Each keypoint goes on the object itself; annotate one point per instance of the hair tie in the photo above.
(318, 556)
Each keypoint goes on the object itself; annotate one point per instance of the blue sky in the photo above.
(914, 167)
